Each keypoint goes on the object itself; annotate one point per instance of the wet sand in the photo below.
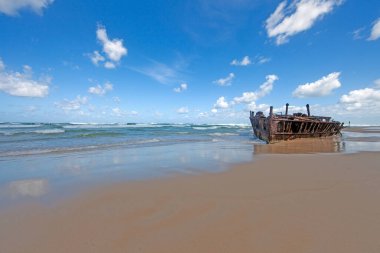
(356, 129)
(278, 203)
(303, 146)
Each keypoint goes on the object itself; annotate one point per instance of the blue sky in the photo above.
(190, 61)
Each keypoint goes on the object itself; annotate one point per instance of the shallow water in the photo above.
(41, 160)
(38, 159)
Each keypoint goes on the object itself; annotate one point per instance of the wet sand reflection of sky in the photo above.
(27, 188)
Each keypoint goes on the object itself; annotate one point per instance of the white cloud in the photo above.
(214, 110)
(244, 62)
(96, 57)
(357, 34)
(367, 98)
(181, 88)
(109, 65)
(319, 88)
(221, 103)
(377, 83)
(291, 108)
(261, 60)
(21, 83)
(203, 115)
(375, 32)
(246, 97)
(183, 110)
(260, 107)
(225, 81)
(12, 7)
(114, 48)
(117, 112)
(265, 89)
(72, 105)
(297, 17)
(101, 90)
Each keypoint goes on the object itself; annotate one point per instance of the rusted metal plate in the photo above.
(276, 128)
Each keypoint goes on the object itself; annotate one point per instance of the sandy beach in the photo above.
(193, 126)
(277, 203)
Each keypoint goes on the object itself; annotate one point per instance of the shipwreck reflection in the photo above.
(302, 146)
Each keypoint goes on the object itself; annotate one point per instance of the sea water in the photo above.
(38, 158)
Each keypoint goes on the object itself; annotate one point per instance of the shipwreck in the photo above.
(279, 127)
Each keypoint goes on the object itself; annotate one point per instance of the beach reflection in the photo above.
(302, 146)
(28, 188)
(354, 139)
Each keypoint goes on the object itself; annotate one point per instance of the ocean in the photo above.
(38, 158)
(19, 139)
(35, 157)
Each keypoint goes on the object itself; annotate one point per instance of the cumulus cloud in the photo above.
(375, 32)
(221, 103)
(72, 105)
(244, 62)
(183, 110)
(225, 81)
(181, 88)
(12, 7)
(319, 88)
(260, 107)
(299, 16)
(101, 90)
(21, 83)
(367, 98)
(265, 89)
(113, 50)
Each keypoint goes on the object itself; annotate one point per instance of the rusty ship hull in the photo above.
(275, 128)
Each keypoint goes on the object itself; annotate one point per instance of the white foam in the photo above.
(223, 134)
(18, 126)
(206, 128)
(49, 131)
(147, 141)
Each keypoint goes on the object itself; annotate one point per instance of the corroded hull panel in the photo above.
(276, 128)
